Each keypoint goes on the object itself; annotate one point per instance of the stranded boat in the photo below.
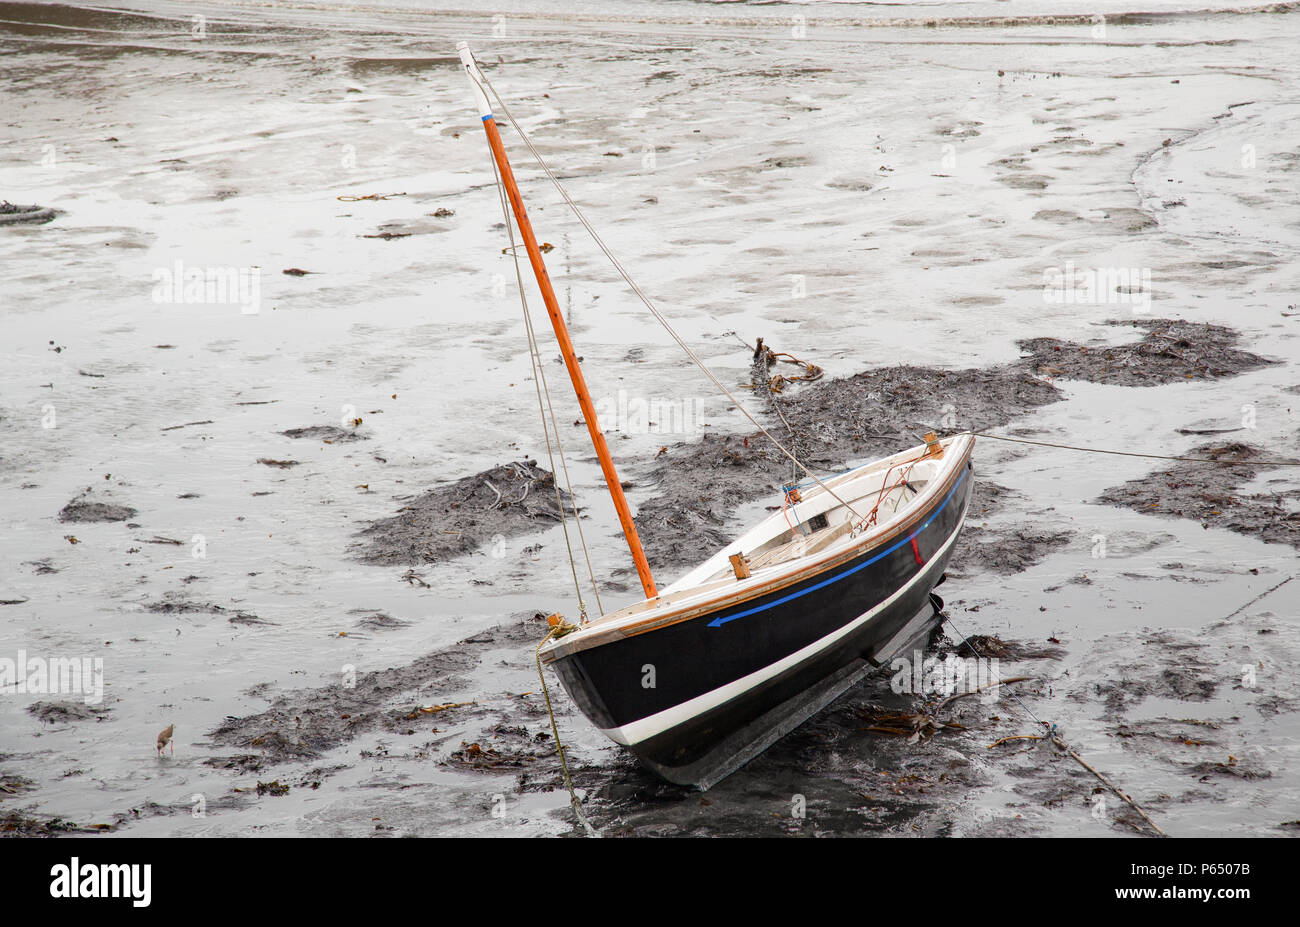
(700, 677)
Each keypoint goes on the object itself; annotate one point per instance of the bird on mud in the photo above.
(165, 737)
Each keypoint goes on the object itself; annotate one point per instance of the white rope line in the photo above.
(545, 407)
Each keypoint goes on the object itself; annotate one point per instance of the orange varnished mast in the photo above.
(557, 322)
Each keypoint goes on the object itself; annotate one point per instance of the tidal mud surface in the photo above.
(173, 603)
(329, 434)
(81, 510)
(1201, 731)
(461, 517)
(64, 712)
(302, 724)
(1065, 155)
(1215, 494)
(1006, 550)
(831, 422)
(876, 761)
(12, 214)
(863, 770)
(1169, 351)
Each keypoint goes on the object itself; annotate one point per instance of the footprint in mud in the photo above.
(965, 129)
(1058, 216)
(1125, 219)
(1025, 181)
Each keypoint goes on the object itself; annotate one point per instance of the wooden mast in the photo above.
(557, 322)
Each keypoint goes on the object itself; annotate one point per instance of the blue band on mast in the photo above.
(487, 117)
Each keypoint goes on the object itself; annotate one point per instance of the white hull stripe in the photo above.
(649, 726)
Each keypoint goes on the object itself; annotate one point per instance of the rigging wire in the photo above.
(632, 284)
(545, 407)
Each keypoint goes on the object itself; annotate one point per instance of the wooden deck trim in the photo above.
(594, 636)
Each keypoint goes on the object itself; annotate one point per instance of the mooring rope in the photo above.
(559, 629)
(1098, 450)
(563, 628)
(1055, 739)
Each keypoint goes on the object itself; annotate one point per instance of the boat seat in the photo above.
(801, 546)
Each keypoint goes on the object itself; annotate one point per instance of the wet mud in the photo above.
(857, 764)
(81, 510)
(828, 424)
(1200, 729)
(461, 517)
(17, 824)
(1005, 551)
(469, 718)
(328, 434)
(1169, 351)
(11, 214)
(1214, 494)
(65, 712)
(831, 423)
(426, 696)
(176, 604)
(24, 821)
(876, 761)
(1001, 549)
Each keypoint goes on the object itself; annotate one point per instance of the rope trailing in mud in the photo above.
(1055, 739)
(560, 629)
(1061, 745)
(1098, 450)
(1260, 596)
(635, 287)
(347, 198)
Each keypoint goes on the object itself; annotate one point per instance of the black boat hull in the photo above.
(694, 697)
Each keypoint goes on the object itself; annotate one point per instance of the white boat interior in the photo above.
(818, 527)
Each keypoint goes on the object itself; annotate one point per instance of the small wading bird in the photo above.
(165, 737)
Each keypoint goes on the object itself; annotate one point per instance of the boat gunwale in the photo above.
(593, 635)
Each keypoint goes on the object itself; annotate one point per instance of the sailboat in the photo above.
(703, 675)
